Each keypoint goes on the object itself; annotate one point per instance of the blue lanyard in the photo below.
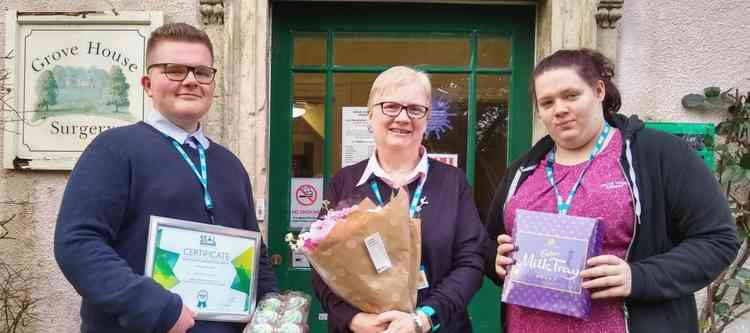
(414, 200)
(564, 206)
(202, 175)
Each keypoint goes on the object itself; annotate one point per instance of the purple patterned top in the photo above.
(603, 194)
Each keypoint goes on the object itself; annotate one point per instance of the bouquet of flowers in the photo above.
(368, 255)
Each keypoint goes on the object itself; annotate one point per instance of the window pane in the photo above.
(308, 125)
(353, 142)
(493, 51)
(492, 137)
(363, 49)
(446, 129)
(310, 48)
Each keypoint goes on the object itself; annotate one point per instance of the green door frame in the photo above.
(515, 21)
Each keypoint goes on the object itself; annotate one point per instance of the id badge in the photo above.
(422, 279)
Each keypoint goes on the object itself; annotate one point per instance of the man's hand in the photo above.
(608, 275)
(185, 322)
(367, 323)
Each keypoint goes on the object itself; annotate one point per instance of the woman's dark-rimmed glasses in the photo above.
(178, 72)
(393, 109)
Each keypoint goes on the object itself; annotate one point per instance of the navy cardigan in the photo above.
(452, 235)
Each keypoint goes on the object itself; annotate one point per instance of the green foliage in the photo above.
(118, 88)
(46, 90)
(693, 100)
(712, 92)
(728, 297)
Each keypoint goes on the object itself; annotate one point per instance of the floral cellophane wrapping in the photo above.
(342, 261)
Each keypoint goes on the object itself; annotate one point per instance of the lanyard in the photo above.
(414, 200)
(564, 206)
(202, 175)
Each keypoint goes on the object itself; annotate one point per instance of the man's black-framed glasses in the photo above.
(393, 109)
(178, 72)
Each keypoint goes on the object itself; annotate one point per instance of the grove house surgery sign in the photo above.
(74, 78)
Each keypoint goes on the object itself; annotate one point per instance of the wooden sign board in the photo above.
(69, 79)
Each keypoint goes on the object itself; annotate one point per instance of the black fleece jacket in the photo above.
(684, 232)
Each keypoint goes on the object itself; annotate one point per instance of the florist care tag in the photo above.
(378, 254)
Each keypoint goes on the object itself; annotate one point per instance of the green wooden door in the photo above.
(325, 57)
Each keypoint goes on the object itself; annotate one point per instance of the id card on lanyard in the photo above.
(202, 175)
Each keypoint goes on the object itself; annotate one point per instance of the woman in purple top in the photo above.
(452, 234)
(667, 229)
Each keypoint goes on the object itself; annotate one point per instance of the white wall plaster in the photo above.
(671, 48)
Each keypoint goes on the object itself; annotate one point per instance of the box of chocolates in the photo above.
(552, 252)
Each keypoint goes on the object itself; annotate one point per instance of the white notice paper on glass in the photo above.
(357, 142)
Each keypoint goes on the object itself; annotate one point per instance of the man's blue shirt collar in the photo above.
(163, 125)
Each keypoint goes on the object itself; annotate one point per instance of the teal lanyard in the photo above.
(414, 200)
(564, 206)
(202, 175)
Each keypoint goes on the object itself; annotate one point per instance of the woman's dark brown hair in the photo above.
(591, 66)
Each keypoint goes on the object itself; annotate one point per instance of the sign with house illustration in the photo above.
(74, 78)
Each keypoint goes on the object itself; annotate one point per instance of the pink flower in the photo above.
(309, 245)
(320, 228)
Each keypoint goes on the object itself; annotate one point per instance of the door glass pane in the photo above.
(310, 48)
(352, 141)
(493, 51)
(308, 125)
(308, 137)
(446, 129)
(414, 48)
(492, 137)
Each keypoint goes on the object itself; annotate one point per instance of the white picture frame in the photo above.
(205, 264)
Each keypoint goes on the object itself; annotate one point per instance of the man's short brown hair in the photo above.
(177, 32)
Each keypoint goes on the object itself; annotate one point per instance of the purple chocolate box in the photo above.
(552, 251)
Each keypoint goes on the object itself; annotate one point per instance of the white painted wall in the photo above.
(35, 196)
(672, 48)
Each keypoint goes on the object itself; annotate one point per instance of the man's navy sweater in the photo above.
(126, 175)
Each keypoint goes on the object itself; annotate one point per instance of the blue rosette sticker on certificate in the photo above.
(212, 268)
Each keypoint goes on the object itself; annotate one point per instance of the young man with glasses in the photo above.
(150, 168)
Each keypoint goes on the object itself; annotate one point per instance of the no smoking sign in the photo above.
(305, 199)
(306, 194)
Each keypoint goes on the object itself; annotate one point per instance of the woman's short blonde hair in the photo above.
(398, 76)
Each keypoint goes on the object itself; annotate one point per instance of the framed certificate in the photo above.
(212, 268)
